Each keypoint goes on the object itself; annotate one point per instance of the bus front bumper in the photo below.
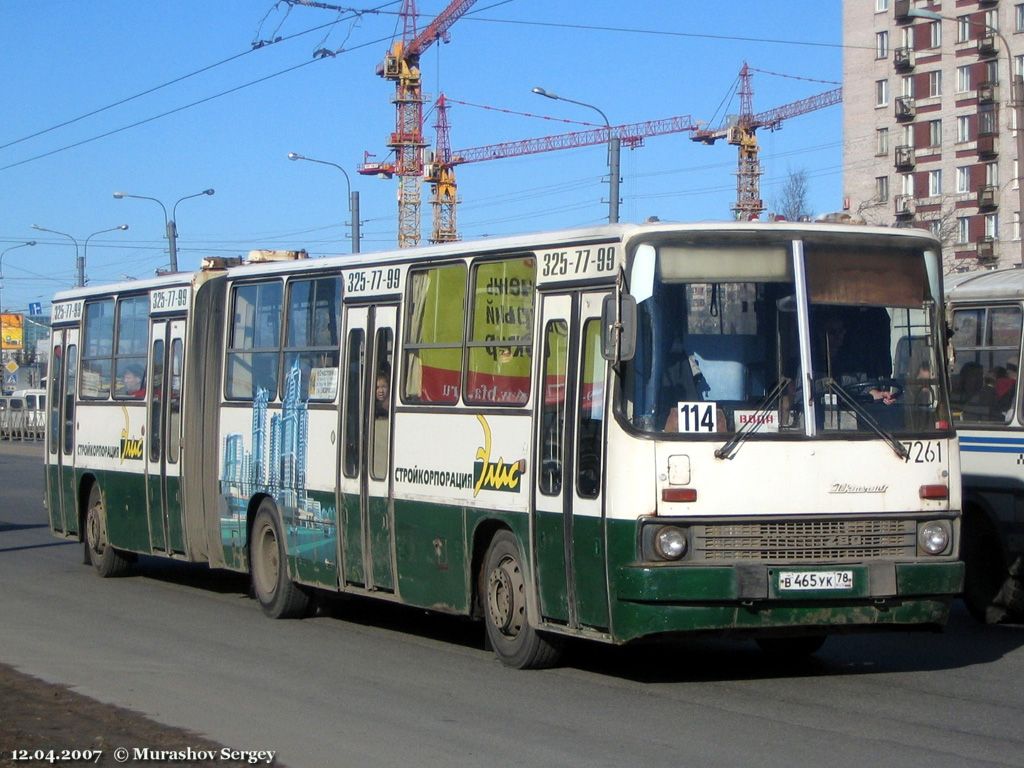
(655, 599)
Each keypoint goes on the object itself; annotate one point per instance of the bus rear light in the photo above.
(942, 424)
(679, 494)
(934, 492)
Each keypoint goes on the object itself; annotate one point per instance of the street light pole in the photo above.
(614, 150)
(1016, 103)
(353, 195)
(85, 248)
(170, 228)
(79, 262)
(2, 254)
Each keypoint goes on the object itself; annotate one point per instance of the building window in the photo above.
(907, 87)
(992, 174)
(881, 5)
(934, 133)
(907, 184)
(881, 142)
(988, 120)
(992, 225)
(882, 188)
(935, 30)
(1016, 225)
(991, 21)
(1018, 17)
(935, 83)
(1018, 65)
(963, 129)
(881, 93)
(935, 227)
(963, 79)
(908, 136)
(963, 179)
(934, 183)
(881, 45)
(962, 228)
(963, 29)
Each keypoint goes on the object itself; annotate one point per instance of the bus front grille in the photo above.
(796, 540)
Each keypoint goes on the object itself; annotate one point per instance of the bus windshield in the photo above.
(721, 355)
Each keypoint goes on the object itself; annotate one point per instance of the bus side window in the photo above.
(589, 432)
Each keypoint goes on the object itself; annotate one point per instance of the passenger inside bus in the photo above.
(132, 382)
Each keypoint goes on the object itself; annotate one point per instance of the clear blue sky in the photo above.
(637, 61)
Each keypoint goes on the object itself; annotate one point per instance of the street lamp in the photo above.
(353, 196)
(85, 247)
(1016, 103)
(79, 262)
(2, 254)
(613, 153)
(169, 226)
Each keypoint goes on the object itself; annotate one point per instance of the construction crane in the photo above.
(440, 170)
(742, 133)
(402, 65)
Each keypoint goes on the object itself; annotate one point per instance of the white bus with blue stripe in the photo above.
(985, 312)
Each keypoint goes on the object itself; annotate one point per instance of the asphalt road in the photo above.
(368, 684)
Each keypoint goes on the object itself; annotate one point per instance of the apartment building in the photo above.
(929, 122)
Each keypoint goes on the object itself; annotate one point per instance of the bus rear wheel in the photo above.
(277, 594)
(503, 598)
(104, 558)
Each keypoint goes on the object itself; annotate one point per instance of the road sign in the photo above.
(11, 380)
(35, 308)
(12, 367)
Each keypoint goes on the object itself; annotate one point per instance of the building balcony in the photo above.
(905, 108)
(903, 59)
(904, 158)
(988, 92)
(986, 249)
(987, 45)
(988, 197)
(988, 145)
(905, 205)
(900, 10)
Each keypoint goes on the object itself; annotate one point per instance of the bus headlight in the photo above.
(933, 537)
(670, 542)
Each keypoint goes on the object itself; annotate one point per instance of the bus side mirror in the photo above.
(618, 327)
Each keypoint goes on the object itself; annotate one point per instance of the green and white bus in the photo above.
(615, 433)
(986, 310)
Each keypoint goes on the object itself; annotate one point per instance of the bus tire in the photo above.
(987, 580)
(277, 594)
(503, 599)
(791, 648)
(104, 558)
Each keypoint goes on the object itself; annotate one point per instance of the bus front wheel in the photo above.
(503, 598)
(104, 558)
(277, 594)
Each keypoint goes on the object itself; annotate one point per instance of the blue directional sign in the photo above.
(35, 308)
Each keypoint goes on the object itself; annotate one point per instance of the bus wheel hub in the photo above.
(504, 597)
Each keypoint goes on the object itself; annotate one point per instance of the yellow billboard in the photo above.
(12, 331)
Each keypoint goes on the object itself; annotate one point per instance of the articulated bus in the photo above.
(614, 433)
(986, 311)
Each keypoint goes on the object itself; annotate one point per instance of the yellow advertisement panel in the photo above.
(12, 331)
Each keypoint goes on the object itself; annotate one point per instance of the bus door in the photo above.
(367, 514)
(163, 432)
(569, 449)
(60, 427)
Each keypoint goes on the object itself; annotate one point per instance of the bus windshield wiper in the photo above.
(731, 446)
(831, 385)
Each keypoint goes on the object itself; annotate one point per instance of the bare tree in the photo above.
(792, 203)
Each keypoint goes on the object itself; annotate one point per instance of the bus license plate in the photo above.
(793, 580)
